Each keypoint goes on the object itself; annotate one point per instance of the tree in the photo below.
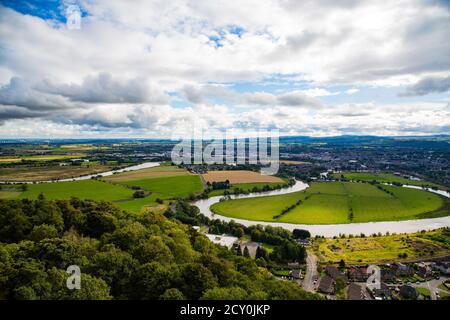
(301, 234)
(196, 279)
(342, 264)
(139, 194)
(246, 252)
(127, 256)
(340, 284)
(232, 293)
(172, 294)
(43, 231)
(239, 250)
(260, 253)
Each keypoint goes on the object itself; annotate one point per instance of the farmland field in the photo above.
(338, 202)
(382, 177)
(160, 171)
(246, 187)
(42, 173)
(9, 194)
(85, 189)
(384, 248)
(165, 182)
(168, 186)
(239, 176)
(49, 157)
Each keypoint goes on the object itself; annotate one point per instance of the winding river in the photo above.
(331, 230)
(327, 230)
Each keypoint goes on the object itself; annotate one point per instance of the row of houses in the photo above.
(389, 273)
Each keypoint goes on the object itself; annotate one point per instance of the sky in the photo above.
(150, 68)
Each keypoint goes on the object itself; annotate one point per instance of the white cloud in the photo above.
(115, 73)
(351, 91)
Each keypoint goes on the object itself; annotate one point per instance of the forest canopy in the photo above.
(121, 256)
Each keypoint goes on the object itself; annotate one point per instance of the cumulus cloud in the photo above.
(103, 88)
(19, 92)
(428, 85)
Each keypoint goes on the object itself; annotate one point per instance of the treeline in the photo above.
(229, 189)
(287, 209)
(285, 248)
(121, 256)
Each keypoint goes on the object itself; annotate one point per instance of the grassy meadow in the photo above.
(165, 182)
(338, 202)
(382, 249)
(50, 172)
(49, 157)
(383, 178)
(84, 189)
(246, 187)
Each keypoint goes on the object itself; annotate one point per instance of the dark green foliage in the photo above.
(301, 234)
(124, 256)
(139, 194)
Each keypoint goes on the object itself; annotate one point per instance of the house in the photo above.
(442, 267)
(383, 291)
(388, 275)
(409, 292)
(334, 273)
(326, 285)
(354, 292)
(223, 240)
(358, 274)
(424, 270)
(303, 242)
(402, 269)
(296, 274)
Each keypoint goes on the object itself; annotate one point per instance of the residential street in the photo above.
(311, 272)
(431, 285)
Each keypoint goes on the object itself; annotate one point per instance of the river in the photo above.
(331, 230)
(327, 230)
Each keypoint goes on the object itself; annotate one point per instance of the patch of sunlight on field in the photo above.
(260, 208)
(319, 209)
(85, 189)
(384, 248)
(9, 194)
(339, 202)
(170, 186)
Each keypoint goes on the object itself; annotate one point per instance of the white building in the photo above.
(226, 241)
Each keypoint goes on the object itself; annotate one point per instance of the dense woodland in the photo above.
(121, 256)
(285, 248)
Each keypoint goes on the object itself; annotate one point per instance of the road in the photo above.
(311, 272)
(431, 285)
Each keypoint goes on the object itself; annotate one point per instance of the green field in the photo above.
(383, 178)
(382, 249)
(332, 202)
(84, 189)
(164, 182)
(49, 157)
(168, 187)
(168, 182)
(246, 187)
(9, 194)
